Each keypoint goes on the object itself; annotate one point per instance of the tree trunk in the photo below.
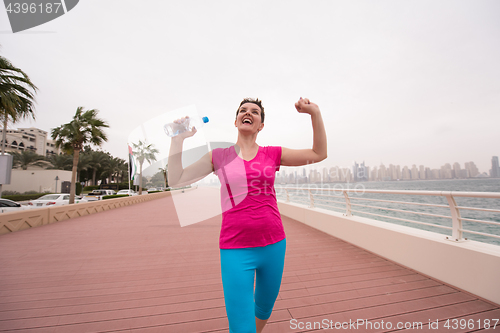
(72, 189)
(4, 133)
(140, 178)
(93, 176)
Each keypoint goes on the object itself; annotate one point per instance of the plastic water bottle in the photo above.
(173, 129)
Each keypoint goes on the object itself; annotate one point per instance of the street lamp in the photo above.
(57, 178)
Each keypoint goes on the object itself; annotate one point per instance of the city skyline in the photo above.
(314, 173)
(360, 172)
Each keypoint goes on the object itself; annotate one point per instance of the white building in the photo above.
(32, 138)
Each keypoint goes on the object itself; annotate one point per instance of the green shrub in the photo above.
(114, 196)
(23, 197)
(78, 188)
(124, 186)
(154, 191)
(6, 193)
(121, 186)
(91, 188)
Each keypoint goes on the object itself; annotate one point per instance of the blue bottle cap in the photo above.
(205, 120)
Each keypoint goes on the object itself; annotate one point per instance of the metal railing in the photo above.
(347, 203)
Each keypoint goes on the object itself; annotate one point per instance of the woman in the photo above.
(252, 240)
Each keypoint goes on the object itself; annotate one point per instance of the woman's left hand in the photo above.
(305, 106)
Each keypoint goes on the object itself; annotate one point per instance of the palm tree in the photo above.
(83, 165)
(17, 95)
(113, 167)
(122, 170)
(143, 153)
(59, 162)
(85, 128)
(28, 158)
(165, 172)
(158, 179)
(97, 160)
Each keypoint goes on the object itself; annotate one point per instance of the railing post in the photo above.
(287, 196)
(455, 217)
(347, 204)
(312, 199)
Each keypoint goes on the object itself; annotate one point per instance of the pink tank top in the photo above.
(250, 215)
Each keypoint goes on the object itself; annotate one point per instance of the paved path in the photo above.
(134, 269)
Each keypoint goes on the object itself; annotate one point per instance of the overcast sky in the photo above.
(398, 82)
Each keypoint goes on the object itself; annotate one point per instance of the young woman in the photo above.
(252, 240)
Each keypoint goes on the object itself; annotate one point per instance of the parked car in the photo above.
(127, 192)
(98, 194)
(7, 205)
(152, 189)
(50, 200)
(80, 198)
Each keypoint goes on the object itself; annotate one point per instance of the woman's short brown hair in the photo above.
(256, 102)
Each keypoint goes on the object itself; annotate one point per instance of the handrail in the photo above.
(455, 216)
(404, 202)
(403, 211)
(493, 195)
(481, 209)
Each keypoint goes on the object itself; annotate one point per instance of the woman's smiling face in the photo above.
(249, 118)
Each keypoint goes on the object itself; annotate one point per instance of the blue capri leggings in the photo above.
(239, 268)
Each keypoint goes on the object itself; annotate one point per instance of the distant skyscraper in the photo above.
(406, 173)
(428, 173)
(459, 173)
(359, 172)
(446, 171)
(414, 172)
(363, 172)
(421, 172)
(326, 176)
(382, 173)
(392, 172)
(346, 175)
(314, 176)
(355, 171)
(334, 174)
(395, 172)
(374, 174)
(471, 169)
(495, 168)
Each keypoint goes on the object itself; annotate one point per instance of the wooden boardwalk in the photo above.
(134, 269)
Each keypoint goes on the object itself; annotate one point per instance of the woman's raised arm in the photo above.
(318, 152)
(179, 176)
